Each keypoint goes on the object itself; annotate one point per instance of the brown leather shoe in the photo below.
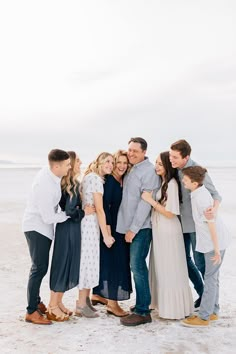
(96, 299)
(135, 320)
(42, 308)
(37, 318)
(117, 311)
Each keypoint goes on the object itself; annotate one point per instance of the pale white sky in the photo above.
(88, 75)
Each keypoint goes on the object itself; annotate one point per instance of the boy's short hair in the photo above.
(183, 147)
(57, 155)
(140, 141)
(195, 173)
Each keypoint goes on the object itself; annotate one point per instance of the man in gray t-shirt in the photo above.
(135, 223)
(180, 158)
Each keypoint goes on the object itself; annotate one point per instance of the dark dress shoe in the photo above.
(37, 318)
(135, 319)
(42, 308)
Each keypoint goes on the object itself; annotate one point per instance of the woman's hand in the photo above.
(108, 240)
(89, 209)
(147, 196)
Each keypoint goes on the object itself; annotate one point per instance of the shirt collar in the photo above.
(141, 162)
(189, 163)
(55, 178)
(197, 191)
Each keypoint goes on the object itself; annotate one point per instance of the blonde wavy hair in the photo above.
(116, 156)
(69, 183)
(96, 165)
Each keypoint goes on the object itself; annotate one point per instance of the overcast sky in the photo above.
(88, 75)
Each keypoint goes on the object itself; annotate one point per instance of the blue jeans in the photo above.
(199, 266)
(138, 253)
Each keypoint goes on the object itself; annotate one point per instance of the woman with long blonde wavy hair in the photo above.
(65, 266)
(92, 193)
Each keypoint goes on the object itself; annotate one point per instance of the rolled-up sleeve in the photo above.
(150, 182)
(211, 188)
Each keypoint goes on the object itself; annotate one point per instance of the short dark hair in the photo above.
(195, 173)
(57, 155)
(182, 146)
(140, 141)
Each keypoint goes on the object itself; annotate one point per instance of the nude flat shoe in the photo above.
(85, 311)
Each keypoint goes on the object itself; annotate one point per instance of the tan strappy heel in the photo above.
(65, 309)
(54, 317)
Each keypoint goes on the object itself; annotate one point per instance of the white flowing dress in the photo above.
(168, 274)
(90, 235)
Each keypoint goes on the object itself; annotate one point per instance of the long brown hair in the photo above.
(69, 183)
(170, 173)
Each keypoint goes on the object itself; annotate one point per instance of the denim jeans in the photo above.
(39, 247)
(139, 249)
(199, 266)
(210, 297)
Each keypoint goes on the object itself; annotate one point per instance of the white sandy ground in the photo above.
(105, 334)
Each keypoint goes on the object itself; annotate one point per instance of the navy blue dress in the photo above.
(65, 266)
(115, 275)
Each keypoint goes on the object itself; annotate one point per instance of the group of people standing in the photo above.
(104, 229)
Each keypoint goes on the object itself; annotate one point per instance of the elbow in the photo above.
(99, 212)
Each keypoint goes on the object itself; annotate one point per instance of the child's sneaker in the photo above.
(195, 321)
(214, 317)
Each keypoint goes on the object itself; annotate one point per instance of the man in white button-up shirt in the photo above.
(39, 218)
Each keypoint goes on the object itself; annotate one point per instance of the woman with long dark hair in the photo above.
(168, 274)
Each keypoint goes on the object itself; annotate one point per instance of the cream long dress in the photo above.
(168, 274)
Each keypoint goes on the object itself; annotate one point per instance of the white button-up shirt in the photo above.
(201, 199)
(41, 212)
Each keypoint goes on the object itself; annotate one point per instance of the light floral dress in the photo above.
(90, 234)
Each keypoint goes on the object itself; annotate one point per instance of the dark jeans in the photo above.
(138, 253)
(199, 266)
(39, 247)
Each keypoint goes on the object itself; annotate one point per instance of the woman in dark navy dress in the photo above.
(115, 277)
(65, 265)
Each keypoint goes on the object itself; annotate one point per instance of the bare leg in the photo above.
(54, 312)
(62, 306)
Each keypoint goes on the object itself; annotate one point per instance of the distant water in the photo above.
(15, 184)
